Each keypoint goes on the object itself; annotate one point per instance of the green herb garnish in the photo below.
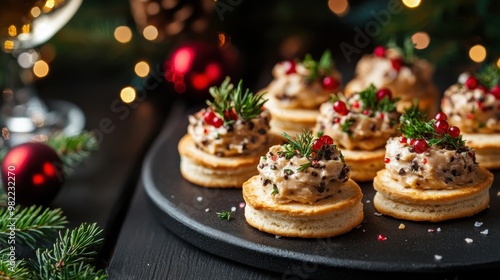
(275, 190)
(489, 76)
(414, 125)
(407, 51)
(371, 102)
(224, 215)
(300, 146)
(232, 103)
(320, 68)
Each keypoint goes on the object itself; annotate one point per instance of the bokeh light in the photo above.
(477, 53)
(339, 7)
(141, 69)
(123, 34)
(421, 40)
(127, 94)
(41, 69)
(150, 32)
(411, 3)
(498, 63)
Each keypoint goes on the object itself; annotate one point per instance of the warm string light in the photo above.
(127, 94)
(339, 7)
(477, 53)
(421, 40)
(123, 34)
(411, 3)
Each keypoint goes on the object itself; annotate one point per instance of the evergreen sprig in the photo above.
(18, 271)
(301, 145)
(489, 76)
(369, 100)
(407, 51)
(320, 68)
(73, 149)
(414, 125)
(70, 256)
(31, 225)
(232, 102)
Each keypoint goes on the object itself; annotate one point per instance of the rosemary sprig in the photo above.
(489, 75)
(232, 102)
(320, 68)
(300, 146)
(407, 51)
(370, 102)
(224, 215)
(414, 125)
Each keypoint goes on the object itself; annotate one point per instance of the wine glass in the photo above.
(25, 25)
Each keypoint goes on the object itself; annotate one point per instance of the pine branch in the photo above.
(320, 68)
(32, 225)
(73, 149)
(17, 270)
(71, 255)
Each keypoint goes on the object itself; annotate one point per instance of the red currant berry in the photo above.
(326, 139)
(383, 92)
(379, 51)
(387, 160)
(232, 114)
(217, 122)
(397, 63)
(355, 104)
(291, 67)
(340, 107)
(317, 144)
(471, 83)
(330, 83)
(454, 131)
(495, 91)
(441, 116)
(403, 140)
(208, 117)
(420, 146)
(441, 127)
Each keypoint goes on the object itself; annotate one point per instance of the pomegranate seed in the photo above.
(420, 146)
(366, 112)
(387, 160)
(441, 116)
(330, 84)
(454, 131)
(403, 140)
(326, 139)
(471, 83)
(273, 158)
(381, 116)
(208, 117)
(340, 107)
(355, 104)
(441, 127)
(470, 116)
(397, 63)
(383, 92)
(317, 145)
(379, 51)
(336, 120)
(381, 237)
(495, 91)
(412, 141)
(291, 67)
(424, 161)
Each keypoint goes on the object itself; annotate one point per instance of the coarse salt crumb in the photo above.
(277, 237)
(233, 209)
(172, 196)
(478, 224)
(438, 257)
(485, 232)
(498, 193)
(377, 214)
(199, 198)
(401, 226)
(206, 210)
(438, 229)
(368, 201)
(431, 230)
(469, 240)
(242, 204)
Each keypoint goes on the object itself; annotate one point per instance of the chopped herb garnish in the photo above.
(489, 76)
(371, 102)
(300, 146)
(408, 50)
(232, 103)
(346, 126)
(224, 215)
(275, 190)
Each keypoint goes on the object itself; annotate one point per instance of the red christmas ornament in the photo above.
(194, 67)
(32, 174)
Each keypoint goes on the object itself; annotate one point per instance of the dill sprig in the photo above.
(489, 75)
(320, 68)
(369, 100)
(414, 125)
(231, 103)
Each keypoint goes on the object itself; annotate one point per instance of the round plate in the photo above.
(378, 245)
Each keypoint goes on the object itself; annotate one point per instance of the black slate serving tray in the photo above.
(190, 212)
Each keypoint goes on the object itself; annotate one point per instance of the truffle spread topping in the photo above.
(364, 120)
(304, 84)
(430, 154)
(304, 170)
(235, 123)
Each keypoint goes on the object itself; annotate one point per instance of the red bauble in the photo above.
(193, 67)
(32, 173)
